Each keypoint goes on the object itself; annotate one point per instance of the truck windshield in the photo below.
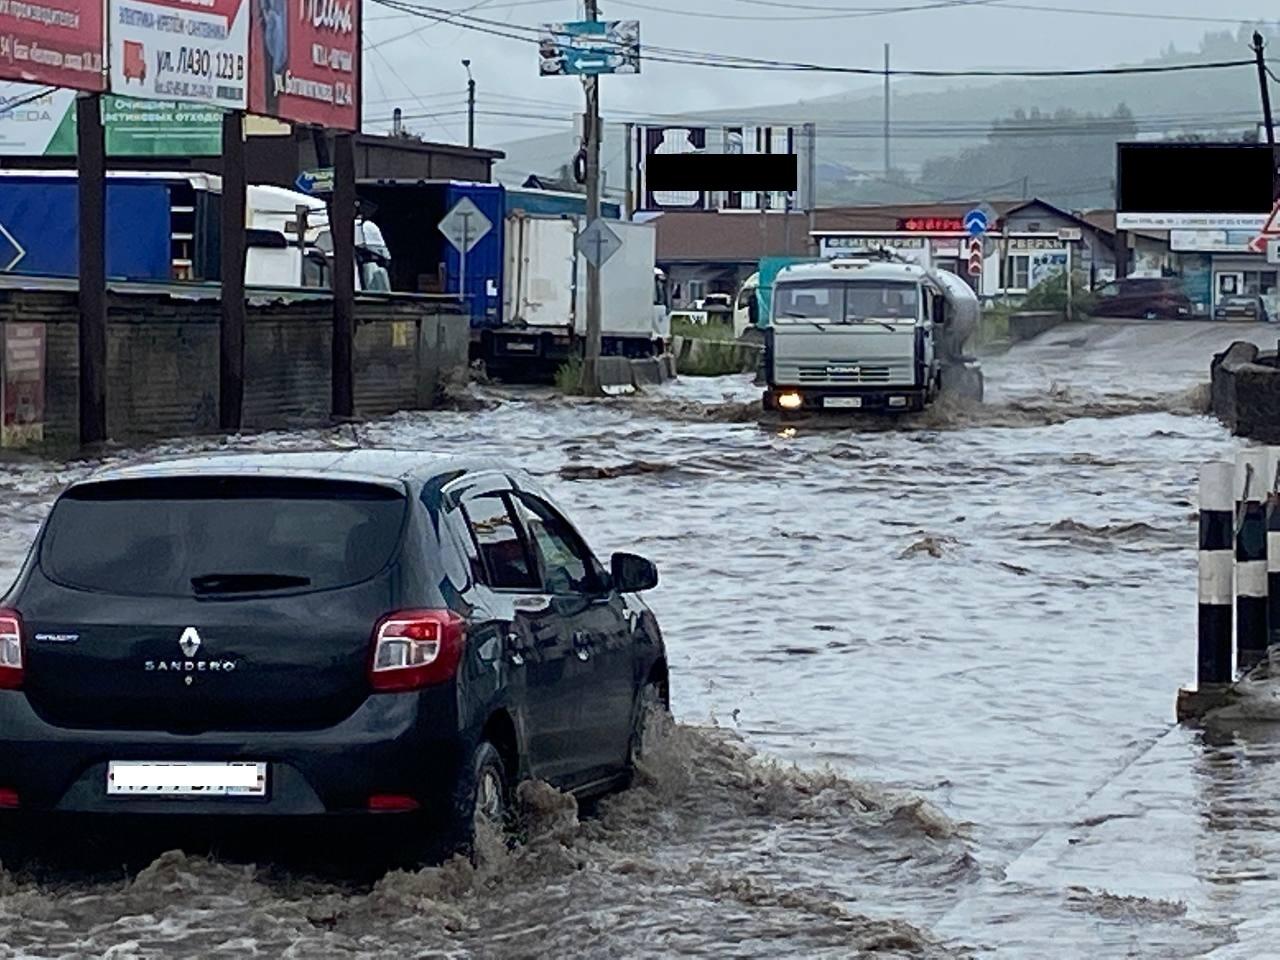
(848, 302)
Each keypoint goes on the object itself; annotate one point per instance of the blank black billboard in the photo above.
(1195, 178)
(732, 172)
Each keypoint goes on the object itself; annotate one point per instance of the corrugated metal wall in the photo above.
(162, 361)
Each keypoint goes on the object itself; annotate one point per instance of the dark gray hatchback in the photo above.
(366, 633)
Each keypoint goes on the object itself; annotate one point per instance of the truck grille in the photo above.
(845, 372)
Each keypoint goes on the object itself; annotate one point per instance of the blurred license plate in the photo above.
(845, 403)
(164, 779)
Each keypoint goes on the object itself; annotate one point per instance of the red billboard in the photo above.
(304, 61)
(54, 42)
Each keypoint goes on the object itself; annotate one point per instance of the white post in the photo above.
(1217, 562)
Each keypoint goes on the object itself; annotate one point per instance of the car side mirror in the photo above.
(633, 574)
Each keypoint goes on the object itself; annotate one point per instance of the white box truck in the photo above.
(544, 317)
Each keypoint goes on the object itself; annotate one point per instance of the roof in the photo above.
(853, 268)
(710, 236)
(887, 217)
(366, 464)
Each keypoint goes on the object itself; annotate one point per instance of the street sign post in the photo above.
(976, 222)
(975, 257)
(313, 182)
(598, 243)
(464, 226)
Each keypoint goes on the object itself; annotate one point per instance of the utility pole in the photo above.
(591, 86)
(92, 160)
(888, 165)
(232, 329)
(471, 105)
(1258, 46)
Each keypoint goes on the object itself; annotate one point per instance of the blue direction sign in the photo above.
(976, 222)
(315, 181)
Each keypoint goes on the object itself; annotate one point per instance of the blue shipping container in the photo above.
(40, 221)
(484, 262)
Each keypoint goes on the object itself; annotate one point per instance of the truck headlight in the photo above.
(897, 401)
(790, 401)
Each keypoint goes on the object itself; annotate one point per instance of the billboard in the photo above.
(589, 48)
(735, 168)
(1212, 241)
(42, 123)
(54, 42)
(190, 50)
(1173, 186)
(304, 61)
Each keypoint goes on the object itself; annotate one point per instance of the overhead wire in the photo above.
(739, 62)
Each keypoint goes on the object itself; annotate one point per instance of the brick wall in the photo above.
(162, 360)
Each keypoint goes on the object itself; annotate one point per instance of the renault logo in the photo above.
(189, 642)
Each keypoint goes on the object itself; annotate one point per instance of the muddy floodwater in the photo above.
(924, 683)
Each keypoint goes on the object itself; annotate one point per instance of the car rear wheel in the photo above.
(482, 801)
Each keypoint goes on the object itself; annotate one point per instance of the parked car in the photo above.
(1240, 308)
(363, 634)
(1148, 297)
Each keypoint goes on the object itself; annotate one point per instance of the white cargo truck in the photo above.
(544, 316)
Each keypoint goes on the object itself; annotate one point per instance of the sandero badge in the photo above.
(385, 637)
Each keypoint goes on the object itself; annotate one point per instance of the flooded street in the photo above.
(966, 636)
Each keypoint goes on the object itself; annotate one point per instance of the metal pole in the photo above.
(342, 226)
(630, 208)
(1217, 553)
(888, 166)
(1259, 46)
(591, 85)
(1252, 466)
(232, 333)
(92, 161)
(462, 261)
(1070, 284)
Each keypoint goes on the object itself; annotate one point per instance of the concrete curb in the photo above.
(1246, 392)
(715, 357)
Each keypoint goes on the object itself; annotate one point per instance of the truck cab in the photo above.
(746, 308)
(854, 335)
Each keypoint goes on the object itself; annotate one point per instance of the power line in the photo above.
(736, 62)
(1011, 5)
(837, 13)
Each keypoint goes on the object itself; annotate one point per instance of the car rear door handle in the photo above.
(582, 646)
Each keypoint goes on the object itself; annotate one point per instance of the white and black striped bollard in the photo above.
(1217, 568)
(1252, 635)
(1273, 548)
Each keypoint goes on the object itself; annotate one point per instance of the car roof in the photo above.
(387, 467)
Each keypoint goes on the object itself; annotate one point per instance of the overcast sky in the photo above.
(414, 64)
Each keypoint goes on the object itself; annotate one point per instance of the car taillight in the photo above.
(413, 649)
(10, 650)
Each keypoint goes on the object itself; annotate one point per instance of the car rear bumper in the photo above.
(381, 749)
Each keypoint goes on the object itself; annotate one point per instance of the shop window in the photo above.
(1259, 283)
(1017, 272)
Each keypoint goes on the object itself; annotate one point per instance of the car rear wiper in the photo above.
(246, 582)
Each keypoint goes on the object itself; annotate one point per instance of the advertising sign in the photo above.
(1211, 241)
(1194, 186)
(46, 126)
(589, 48)
(55, 42)
(22, 363)
(189, 50)
(304, 60)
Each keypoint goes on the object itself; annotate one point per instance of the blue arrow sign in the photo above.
(315, 181)
(975, 221)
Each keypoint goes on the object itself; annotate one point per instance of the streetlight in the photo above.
(471, 105)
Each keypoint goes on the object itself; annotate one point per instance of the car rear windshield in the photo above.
(189, 536)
